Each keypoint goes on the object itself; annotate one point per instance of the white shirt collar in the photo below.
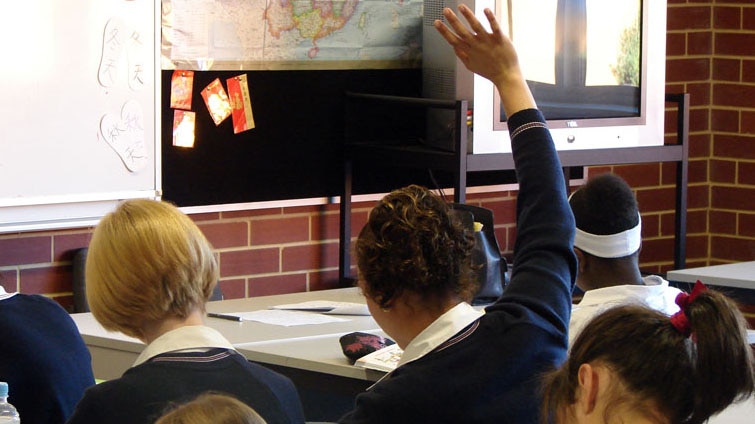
(440, 330)
(4, 295)
(624, 293)
(184, 338)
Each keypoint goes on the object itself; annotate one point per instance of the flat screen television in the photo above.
(595, 67)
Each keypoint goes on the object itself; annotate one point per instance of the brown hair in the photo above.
(412, 243)
(212, 408)
(147, 261)
(659, 368)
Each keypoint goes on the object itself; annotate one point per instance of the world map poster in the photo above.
(291, 34)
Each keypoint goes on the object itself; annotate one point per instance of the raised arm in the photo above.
(544, 265)
(488, 54)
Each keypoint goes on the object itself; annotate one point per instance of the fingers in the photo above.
(475, 24)
(456, 38)
(459, 30)
(462, 34)
(494, 27)
(446, 33)
(472, 19)
(460, 37)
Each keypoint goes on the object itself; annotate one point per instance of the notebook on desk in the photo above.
(385, 359)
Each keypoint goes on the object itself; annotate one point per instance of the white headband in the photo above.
(611, 245)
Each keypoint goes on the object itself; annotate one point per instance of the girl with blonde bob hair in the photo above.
(149, 273)
(141, 243)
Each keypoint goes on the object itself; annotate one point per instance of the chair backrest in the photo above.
(79, 287)
(80, 303)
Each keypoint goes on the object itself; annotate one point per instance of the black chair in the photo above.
(80, 303)
(492, 271)
(79, 287)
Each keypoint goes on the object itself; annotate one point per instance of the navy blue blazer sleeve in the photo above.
(544, 265)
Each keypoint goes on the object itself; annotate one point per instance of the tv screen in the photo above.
(581, 58)
(596, 69)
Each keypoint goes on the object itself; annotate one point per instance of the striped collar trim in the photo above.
(197, 338)
(459, 337)
(444, 328)
(175, 357)
(448, 343)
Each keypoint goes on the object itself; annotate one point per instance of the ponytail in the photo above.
(686, 368)
(723, 364)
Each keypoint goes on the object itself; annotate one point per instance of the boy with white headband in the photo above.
(607, 244)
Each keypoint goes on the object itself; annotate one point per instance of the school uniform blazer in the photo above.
(147, 390)
(489, 372)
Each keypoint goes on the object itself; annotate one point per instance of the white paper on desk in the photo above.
(286, 318)
(327, 307)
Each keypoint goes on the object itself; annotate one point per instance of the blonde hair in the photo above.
(147, 261)
(214, 408)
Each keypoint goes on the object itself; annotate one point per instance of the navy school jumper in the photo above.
(42, 358)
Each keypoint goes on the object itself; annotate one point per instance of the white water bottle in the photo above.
(8, 413)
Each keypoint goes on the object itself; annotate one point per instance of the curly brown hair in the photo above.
(412, 243)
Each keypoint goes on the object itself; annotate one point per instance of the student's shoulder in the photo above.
(267, 375)
(398, 398)
(98, 398)
(115, 387)
(39, 301)
(39, 306)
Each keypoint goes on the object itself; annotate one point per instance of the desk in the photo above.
(309, 354)
(740, 413)
(736, 280)
(115, 352)
(739, 275)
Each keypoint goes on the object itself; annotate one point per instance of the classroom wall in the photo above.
(710, 54)
(260, 252)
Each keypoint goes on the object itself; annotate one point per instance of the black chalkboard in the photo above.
(296, 149)
(294, 152)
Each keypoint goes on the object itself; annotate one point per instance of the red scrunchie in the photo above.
(679, 320)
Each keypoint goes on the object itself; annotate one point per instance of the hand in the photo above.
(489, 54)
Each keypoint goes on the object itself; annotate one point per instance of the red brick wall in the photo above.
(710, 54)
(260, 252)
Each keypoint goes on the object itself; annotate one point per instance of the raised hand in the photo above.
(488, 54)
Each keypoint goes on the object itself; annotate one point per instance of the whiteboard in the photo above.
(79, 106)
